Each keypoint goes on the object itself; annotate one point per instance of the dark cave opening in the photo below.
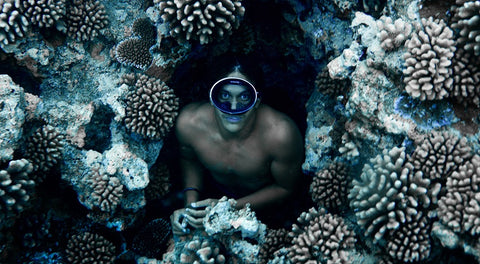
(21, 75)
(98, 130)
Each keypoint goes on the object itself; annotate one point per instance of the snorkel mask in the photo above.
(233, 95)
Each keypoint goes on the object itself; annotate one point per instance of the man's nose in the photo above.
(234, 104)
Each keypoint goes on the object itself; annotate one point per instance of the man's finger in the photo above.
(195, 222)
(196, 213)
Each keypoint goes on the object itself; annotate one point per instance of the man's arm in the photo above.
(191, 168)
(286, 145)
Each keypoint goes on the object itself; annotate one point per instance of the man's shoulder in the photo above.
(278, 126)
(192, 115)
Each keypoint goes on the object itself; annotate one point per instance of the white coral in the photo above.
(202, 20)
(392, 34)
(13, 24)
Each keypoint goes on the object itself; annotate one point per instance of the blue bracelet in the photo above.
(190, 189)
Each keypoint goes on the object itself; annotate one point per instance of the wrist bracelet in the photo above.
(190, 189)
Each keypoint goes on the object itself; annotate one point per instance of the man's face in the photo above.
(234, 97)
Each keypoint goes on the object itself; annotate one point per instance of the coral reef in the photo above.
(44, 149)
(465, 21)
(275, 240)
(105, 191)
(152, 239)
(428, 74)
(15, 191)
(159, 184)
(204, 21)
(85, 19)
(91, 248)
(151, 108)
(393, 34)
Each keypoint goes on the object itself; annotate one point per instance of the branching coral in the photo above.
(466, 19)
(202, 20)
(43, 13)
(329, 186)
(85, 19)
(388, 193)
(15, 190)
(392, 34)
(428, 72)
(159, 184)
(459, 208)
(151, 109)
(135, 51)
(152, 239)
(13, 24)
(201, 251)
(330, 86)
(89, 248)
(466, 74)
(105, 191)
(44, 148)
(325, 239)
(274, 240)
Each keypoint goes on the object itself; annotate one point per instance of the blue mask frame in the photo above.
(224, 108)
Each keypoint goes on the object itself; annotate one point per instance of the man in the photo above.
(238, 148)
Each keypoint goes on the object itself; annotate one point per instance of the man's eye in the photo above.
(224, 96)
(244, 97)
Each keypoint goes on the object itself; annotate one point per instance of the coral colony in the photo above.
(389, 92)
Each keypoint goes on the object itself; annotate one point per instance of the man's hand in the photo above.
(179, 222)
(191, 216)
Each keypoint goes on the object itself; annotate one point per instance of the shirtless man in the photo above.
(252, 152)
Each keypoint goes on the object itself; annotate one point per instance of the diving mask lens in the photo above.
(233, 95)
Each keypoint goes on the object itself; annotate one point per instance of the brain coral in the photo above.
(151, 109)
(85, 19)
(202, 20)
(90, 248)
(13, 24)
(15, 190)
(428, 75)
(43, 13)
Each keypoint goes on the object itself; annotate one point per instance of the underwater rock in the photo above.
(12, 116)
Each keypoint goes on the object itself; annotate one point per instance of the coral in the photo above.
(411, 241)
(325, 240)
(159, 184)
(333, 87)
(85, 19)
(43, 13)
(200, 20)
(88, 247)
(13, 23)
(349, 148)
(275, 239)
(329, 187)
(152, 239)
(466, 74)
(388, 193)
(151, 108)
(44, 148)
(201, 251)
(466, 21)
(105, 191)
(135, 51)
(439, 154)
(428, 72)
(15, 190)
(392, 34)
(459, 208)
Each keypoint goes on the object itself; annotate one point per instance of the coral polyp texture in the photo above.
(151, 241)
(393, 34)
(44, 13)
(387, 193)
(325, 239)
(16, 189)
(44, 148)
(330, 86)
(428, 71)
(275, 239)
(105, 191)
(201, 251)
(459, 208)
(466, 74)
(466, 21)
(151, 109)
(85, 19)
(89, 247)
(159, 184)
(135, 51)
(329, 187)
(202, 20)
(13, 23)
